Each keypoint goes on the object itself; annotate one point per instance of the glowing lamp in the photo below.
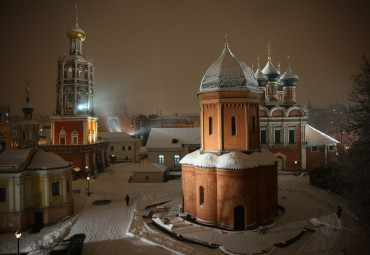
(18, 235)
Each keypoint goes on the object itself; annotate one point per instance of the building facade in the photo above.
(121, 146)
(230, 182)
(35, 185)
(167, 146)
(283, 123)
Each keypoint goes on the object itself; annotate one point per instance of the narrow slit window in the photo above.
(201, 196)
(233, 125)
(253, 124)
(210, 126)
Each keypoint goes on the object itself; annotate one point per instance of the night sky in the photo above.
(151, 55)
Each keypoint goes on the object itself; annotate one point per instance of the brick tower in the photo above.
(230, 182)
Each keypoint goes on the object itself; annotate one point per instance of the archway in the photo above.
(281, 163)
(239, 218)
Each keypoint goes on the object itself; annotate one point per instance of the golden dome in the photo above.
(76, 33)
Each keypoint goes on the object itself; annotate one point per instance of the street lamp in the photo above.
(88, 185)
(18, 236)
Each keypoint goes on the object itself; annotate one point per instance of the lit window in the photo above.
(176, 159)
(2, 194)
(201, 196)
(210, 126)
(314, 148)
(74, 137)
(62, 136)
(233, 126)
(161, 159)
(55, 188)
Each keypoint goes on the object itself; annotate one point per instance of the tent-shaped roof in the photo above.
(316, 137)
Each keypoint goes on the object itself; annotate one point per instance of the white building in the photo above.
(167, 146)
(151, 172)
(121, 145)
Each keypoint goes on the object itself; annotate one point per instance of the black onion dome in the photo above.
(271, 72)
(228, 73)
(27, 108)
(261, 78)
(289, 78)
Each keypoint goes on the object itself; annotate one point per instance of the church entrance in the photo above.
(239, 218)
(39, 222)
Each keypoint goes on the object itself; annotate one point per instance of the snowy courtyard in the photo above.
(113, 229)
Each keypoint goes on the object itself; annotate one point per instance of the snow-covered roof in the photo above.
(260, 75)
(151, 167)
(14, 156)
(47, 160)
(35, 158)
(173, 137)
(288, 74)
(316, 137)
(233, 160)
(115, 136)
(228, 73)
(270, 69)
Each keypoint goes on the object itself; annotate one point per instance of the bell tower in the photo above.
(75, 78)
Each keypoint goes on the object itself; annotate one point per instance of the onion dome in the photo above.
(261, 78)
(228, 73)
(289, 78)
(271, 72)
(27, 108)
(76, 32)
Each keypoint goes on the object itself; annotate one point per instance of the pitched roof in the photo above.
(316, 137)
(173, 137)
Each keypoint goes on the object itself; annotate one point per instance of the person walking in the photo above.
(339, 211)
(127, 199)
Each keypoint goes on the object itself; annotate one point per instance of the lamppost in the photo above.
(18, 236)
(88, 185)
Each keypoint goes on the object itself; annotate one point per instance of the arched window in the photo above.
(233, 126)
(210, 126)
(62, 136)
(69, 76)
(201, 196)
(74, 137)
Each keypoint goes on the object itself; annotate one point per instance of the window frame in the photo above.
(210, 125)
(5, 194)
(275, 136)
(233, 126)
(59, 189)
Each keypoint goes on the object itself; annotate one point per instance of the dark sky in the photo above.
(152, 55)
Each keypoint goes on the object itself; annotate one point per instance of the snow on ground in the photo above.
(112, 228)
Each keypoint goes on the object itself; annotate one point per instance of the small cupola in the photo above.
(289, 78)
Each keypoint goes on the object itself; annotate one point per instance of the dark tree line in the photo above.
(350, 176)
(355, 164)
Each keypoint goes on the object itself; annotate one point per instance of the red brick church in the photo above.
(230, 182)
(283, 123)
